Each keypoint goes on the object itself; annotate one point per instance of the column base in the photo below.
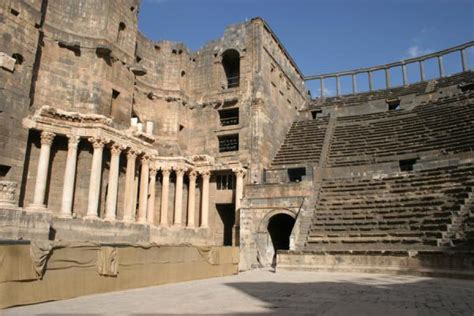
(8, 206)
(110, 219)
(41, 208)
(142, 221)
(65, 216)
(91, 217)
(128, 221)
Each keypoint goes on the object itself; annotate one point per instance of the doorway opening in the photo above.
(227, 215)
(279, 228)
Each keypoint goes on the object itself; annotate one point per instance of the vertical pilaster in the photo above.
(178, 201)
(111, 203)
(143, 196)
(191, 198)
(69, 176)
(165, 172)
(129, 185)
(150, 215)
(239, 192)
(95, 179)
(42, 173)
(205, 175)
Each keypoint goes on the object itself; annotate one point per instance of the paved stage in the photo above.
(288, 293)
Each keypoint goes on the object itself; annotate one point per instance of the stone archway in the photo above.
(274, 233)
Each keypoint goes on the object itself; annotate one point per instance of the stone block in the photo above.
(7, 62)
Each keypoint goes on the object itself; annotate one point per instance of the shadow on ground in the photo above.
(366, 296)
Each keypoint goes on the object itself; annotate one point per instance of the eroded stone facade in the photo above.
(107, 135)
(99, 124)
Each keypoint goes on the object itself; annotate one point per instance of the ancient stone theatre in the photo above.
(147, 163)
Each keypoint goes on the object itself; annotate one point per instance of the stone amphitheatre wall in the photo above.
(76, 72)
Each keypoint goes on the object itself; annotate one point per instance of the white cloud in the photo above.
(416, 50)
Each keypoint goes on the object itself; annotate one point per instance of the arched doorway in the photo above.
(279, 228)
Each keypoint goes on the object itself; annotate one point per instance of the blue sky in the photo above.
(323, 36)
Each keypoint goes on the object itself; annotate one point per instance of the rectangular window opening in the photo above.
(4, 169)
(229, 117)
(407, 164)
(225, 182)
(315, 113)
(113, 104)
(228, 143)
(393, 104)
(296, 174)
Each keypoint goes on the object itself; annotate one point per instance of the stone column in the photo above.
(150, 215)
(239, 190)
(69, 176)
(95, 179)
(165, 172)
(42, 173)
(111, 204)
(205, 174)
(129, 185)
(239, 186)
(143, 195)
(178, 200)
(191, 197)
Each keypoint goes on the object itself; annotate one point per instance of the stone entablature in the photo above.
(61, 122)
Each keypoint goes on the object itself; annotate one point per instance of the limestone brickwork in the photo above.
(107, 135)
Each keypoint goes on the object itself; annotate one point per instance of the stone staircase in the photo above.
(307, 212)
(460, 231)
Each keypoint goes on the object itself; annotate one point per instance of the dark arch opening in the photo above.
(231, 64)
(279, 228)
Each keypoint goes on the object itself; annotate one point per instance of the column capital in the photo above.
(193, 174)
(165, 170)
(180, 170)
(132, 154)
(47, 138)
(73, 141)
(145, 159)
(97, 142)
(205, 173)
(239, 172)
(116, 149)
(153, 172)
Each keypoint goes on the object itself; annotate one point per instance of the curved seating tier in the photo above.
(303, 143)
(414, 210)
(445, 125)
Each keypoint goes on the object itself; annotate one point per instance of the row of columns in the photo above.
(388, 84)
(146, 196)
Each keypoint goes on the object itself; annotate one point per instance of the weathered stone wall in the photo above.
(18, 45)
(87, 52)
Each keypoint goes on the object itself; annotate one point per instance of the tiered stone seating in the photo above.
(445, 125)
(405, 212)
(303, 143)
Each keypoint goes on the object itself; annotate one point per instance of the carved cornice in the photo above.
(53, 113)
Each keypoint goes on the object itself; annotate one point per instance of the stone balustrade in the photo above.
(461, 49)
